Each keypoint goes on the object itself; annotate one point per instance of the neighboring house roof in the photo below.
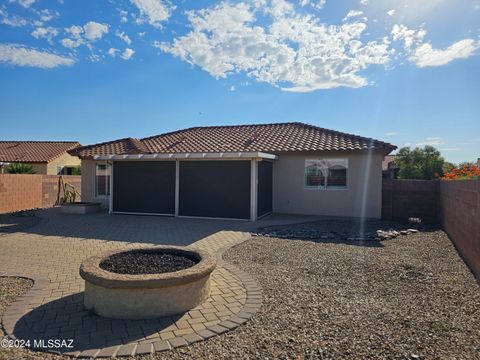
(272, 138)
(34, 151)
(388, 162)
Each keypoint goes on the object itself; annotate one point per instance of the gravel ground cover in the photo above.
(412, 297)
(147, 262)
(409, 297)
(342, 230)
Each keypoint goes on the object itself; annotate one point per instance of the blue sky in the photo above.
(92, 71)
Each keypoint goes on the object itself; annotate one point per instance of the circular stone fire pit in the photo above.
(147, 283)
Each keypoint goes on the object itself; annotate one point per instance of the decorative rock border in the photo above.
(314, 234)
(29, 318)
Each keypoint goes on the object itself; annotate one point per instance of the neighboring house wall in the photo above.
(39, 168)
(51, 168)
(363, 196)
(88, 184)
(61, 161)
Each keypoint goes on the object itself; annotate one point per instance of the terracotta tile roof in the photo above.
(34, 151)
(270, 138)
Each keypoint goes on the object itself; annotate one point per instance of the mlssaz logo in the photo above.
(53, 343)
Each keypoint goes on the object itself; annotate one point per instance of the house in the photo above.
(237, 172)
(46, 157)
(389, 168)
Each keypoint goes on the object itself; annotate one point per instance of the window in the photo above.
(326, 173)
(102, 179)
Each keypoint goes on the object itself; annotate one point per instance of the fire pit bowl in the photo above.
(147, 283)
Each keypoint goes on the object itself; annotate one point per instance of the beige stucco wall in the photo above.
(88, 184)
(40, 168)
(64, 160)
(363, 196)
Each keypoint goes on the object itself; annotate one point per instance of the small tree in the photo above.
(420, 163)
(20, 168)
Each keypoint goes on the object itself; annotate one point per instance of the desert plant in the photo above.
(70, 193)
(20, 168)
(465, 171)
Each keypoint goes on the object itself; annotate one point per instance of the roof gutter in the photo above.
(194, 156)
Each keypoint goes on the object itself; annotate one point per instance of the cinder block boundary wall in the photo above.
(454, 205)
(460, 218)
(31, 191)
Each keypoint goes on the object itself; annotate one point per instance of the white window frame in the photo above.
(95, 180)
(325, 162)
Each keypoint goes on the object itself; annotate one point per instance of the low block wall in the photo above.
(454, 205)
(25, 191)
(460, 218)
(404, 199)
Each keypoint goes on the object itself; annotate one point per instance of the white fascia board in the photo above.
(219, 155)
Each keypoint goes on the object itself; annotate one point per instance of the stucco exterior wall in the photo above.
(40, 168)
(362, 198)
(51, 168)
(88, 184)
(64, 160)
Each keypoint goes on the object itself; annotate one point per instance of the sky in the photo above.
(402, 71)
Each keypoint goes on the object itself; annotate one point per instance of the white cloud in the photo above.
(232, 88)
(72, 43)
(391, 12)
(318, 4)
(295, 52)
(431, 141)
(123, 16)
(20, 55)
(127, 54)
(391, 133)
(410, 37)
(45, 33)
(364, 2)
(422, 53)
(75, 30)
(353, 13)
(113, 52)
(94, 31)
(425, 55)
(154, 11)
(23, 3)
(14, 20)
(47, 15)
(123, 36)
(84, 35)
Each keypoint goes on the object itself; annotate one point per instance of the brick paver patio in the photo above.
(50, 253)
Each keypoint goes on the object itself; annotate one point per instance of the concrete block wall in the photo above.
(460, 218)
(30, 191)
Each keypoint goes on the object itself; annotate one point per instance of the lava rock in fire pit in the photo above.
(143, 262)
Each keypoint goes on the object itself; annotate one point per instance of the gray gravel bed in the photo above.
(412, 297)
(342, 230)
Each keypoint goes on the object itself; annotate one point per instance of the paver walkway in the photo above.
(50, 253)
